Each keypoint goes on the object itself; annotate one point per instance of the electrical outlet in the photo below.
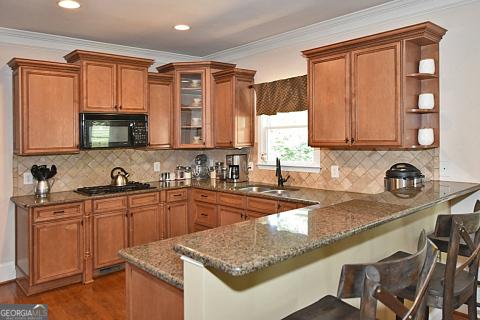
(444, 169)
(27, 178)
(335, 172)
(250, 166)
(156, 166)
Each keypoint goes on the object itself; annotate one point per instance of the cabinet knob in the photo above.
(120, 107)
(347, 140)
(353, 140)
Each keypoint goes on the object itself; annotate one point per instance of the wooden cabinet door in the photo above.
(160, 113)
(245, 113)
(286, 206)
(110, 235)
(177, 223)
(58, 249)
(223, 118)
(49, 107)
(132, 89)
(144, 225)
(329, 101)
(229, 215)
(376, 95)
(99, 86)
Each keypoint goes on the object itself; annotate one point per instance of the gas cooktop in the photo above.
(131, 186)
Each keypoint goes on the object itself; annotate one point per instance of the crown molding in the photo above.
(50, 41)
(343, 25)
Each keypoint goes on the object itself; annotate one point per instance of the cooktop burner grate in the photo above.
(131, 186)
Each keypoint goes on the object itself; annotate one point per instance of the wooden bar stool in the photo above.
(380, 281)
(452, 286)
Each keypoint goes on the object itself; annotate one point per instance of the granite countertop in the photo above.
(249, 246)
(302, 195)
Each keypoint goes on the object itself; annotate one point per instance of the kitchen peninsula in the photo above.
(258, 269)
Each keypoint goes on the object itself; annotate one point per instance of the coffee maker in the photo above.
(237, 166)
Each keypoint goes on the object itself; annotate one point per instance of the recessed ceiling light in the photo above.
(69, 4)
(182, 27)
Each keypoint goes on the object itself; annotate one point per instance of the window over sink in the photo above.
(285, 135)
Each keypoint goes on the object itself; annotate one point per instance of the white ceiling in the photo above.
(216, 24)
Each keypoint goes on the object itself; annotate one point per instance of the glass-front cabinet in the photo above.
(192, 109)
(193, 99)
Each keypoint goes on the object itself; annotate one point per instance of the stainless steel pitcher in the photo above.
(42, 188)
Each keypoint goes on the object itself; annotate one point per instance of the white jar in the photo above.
(426, 101)
(427, 66)
(426, 136)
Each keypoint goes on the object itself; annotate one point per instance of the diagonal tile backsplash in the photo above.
(360, 171)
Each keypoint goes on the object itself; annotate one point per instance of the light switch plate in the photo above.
(335, 172)
(250, 166)
(27, 178)
(156, 166)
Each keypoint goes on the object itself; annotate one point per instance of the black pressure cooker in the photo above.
(403, 175)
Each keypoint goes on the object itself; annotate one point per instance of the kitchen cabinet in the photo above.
(111, 83)
(286, 206)
(58, 249)
(45, 107)
(49, 246)
(363, 92)
(176, 217)
(144, 225)
(160, 111)
(193, 102)
(109, 235)
(234, 109)
(229, 215)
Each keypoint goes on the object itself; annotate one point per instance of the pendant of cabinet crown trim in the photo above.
(112, 83)
(362, 93)
(234, 110)
(45, 107)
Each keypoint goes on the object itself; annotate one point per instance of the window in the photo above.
(285, 135)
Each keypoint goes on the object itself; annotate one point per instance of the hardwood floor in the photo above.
(104, 299)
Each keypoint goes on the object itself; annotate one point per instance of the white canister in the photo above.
(427, 66)
(426, 101)
(425, 136)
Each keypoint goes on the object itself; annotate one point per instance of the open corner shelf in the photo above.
(421, 111)
(422, 76)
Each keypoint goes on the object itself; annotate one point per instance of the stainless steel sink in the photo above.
(278, 192)
(255, 189)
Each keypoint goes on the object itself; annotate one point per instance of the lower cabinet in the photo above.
(109, 236)
(57, 250)
(145, 225)
(176, 218)
(228, 215)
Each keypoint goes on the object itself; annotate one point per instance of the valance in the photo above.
(286, 95)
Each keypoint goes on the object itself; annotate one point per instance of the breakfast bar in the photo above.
(269, 267)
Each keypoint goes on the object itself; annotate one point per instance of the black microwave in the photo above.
(100, 130)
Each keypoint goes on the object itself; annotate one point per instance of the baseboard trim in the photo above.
(7, 271)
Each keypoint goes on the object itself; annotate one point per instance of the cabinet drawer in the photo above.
(57, 212)
(286, 206)
(231, 200)
(204, 195)
(144, 199)
(205, 214)
(261, 205)
(176, 195)
(250, 215)
(198, 227)
(109, 204)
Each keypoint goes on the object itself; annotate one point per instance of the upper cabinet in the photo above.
(364, 93)
(193, 102)
(112, 83)
(45, 107)
(160, 111)
(234, 113)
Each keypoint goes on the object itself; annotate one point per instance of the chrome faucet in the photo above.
(278, 174)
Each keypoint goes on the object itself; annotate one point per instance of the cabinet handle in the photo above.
(120, 106)
(177, 195)
(203, 196)
(347, 140)
(353, 140)
(59, 212)
(81, 222)
(115, 107)
(204, 214)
